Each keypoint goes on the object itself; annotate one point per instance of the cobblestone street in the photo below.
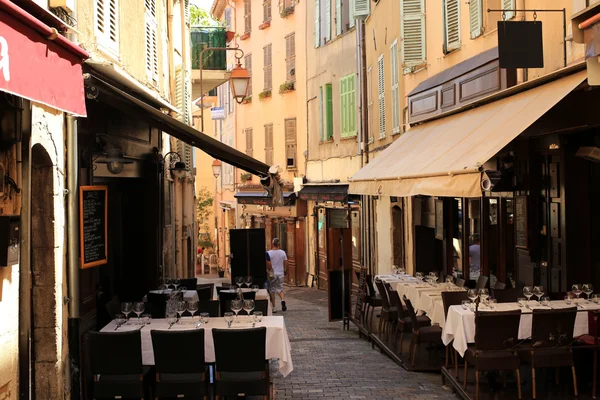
(331, 363)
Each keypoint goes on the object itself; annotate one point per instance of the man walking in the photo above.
(278, 264)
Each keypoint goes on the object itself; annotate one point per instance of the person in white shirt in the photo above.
(278, 263)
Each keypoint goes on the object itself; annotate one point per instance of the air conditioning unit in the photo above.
(67, 5)
(590, 153)
(362, 9)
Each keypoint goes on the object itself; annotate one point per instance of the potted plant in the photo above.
(247, 100)
(286, 87)
(221, 272)
(229, 35)
(287, 11)
(246, 177)
(264, 95)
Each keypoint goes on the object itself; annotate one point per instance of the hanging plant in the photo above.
(287, 11)
(264, 95)
(286, 87)
(245, 177)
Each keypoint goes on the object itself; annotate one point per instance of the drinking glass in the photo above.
(546, 301)
(192, 307)
(126, 308)
(465, 304)
(449, 279)
(419, 275)
(168, 283)
(146, 319)
(239, 281)
(228, 318)
(588, 289)
(402, 271)
(538, 291)
(568, 300)
(521, 301)
(577, 290)
(138, 309)
(120, 320)
(183, 289)
(162, 288)
(248, 306)
(236, 307)
(248, 281)
(181, 307)
(492, 304)
(258, 315)
(596, 298)
(528, 292)
(484, 294)
(204, 317)
(472, 294)
(171, 318)
(176, 283)
(255, 288)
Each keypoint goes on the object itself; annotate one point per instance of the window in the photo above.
(327, 25)
(381, 95)
(328, 112)
(348, 105)
(451, 25)
(151, 45)
(248, 65)
(290, 143)
(317, 26)
(266, 10)
(107, 24)
(228, 19)
(269, 144)
(248, 133)
(338, 17)
(509, 5)
(268, 68)
(290, 57)
(370, 103)
(394, 73)
(413, 34)
(344, 18)
(476, 18)
(182, 94)
(247, 16)
(321, 116)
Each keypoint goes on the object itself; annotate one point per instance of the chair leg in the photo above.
(456, 362)
(595, 372)
(401, 340)
(533, 385)
(415, 354)
(447, 357)
(519, 382)
(465, 375)
(476, 384)
(574, 381)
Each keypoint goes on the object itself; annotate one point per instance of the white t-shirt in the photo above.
(277, 259)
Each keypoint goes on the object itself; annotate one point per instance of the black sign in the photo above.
(520, 44)
(338, 218)
(521, 234)
(93, 212)
(360, 295)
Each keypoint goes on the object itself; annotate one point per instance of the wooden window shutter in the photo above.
(249, 141)
(248, 66)
(328, 111)
(338, 17)
(413, 34)
(179, 92)
(247, 16)
(187, 11)
(476, 18)
(327, 20)
(451, 25)
(509, 5)
(321, 116)
(394, 73)
(269, 144)
(290, 57)
(151, 43)
(352, 131)
(228, 19)
(344, 106)
(290, 143)
(266, 10)
(351, 16)
(370, 131)
(188, 157)
(317, 26)
(381, 94)
(107, 24)
(268, 84)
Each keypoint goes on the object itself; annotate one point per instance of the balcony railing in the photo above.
(203, 37)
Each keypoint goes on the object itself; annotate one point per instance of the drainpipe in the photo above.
(25, 310)
(171, 51)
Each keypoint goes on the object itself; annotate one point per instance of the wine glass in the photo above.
(484, 294)
(176, 283)
(168, 283)
(596, 298)
(138, 309)
(472, 294)
(248, 281)
(419, 275)
(192, 307)
(521, 301)
(255, 288)
(146, 319)
(181, 308)
(171, 318)
(236, 307)
(126, 308)
(402, 271)
(588, 289)
(204, 317)
(248, 306)
(228, 318)
(120, 319)
(528, 292)
(492, 304)
(538, 291)
(258, 315)
(568, 299)
(239, 281)
(465, 304)
(577, 290)
(546, 301)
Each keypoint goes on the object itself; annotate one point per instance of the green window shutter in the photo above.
(328, 20)
(476, 18)
(451, 25)
(394, 74)
(413, 34)
(321, 114)
(328, 111)
(344, 106)
(509, 5)
(317, 27)
(338, 17)
(351, 86)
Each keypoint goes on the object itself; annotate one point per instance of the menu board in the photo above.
(360, 295)
(93, 213)
(521, 237)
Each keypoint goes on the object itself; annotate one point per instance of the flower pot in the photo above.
(221, 274)
(229, 35)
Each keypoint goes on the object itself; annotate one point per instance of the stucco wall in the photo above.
(9, 332)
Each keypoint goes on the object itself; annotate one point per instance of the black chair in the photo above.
(481, 282)
(262, 306)
(499, 286)
(225, 300)
(204, 293)
(209, 306)
(495, 345)
(421, 334)
(506, 295)
(156, 304)
(460, 282)
(219, 288)
(389, 314)
(234, 375)
(592, 341)
(373, 300)
(113, 307)
(179, 363)
(452, 299)
(404, 321)
(116, 364)
(189, 283)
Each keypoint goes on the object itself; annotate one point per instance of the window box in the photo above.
(264, 95)
(247, 100)
(286, 87)
(229, 35)
(264, 25)
(245, 36)
(286, 12)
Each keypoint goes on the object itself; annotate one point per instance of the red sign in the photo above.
(37, 68)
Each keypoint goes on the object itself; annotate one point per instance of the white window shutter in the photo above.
(361, 9)
(394, 73)
(413, 34)
(381, 95)
(338, 17)
(351, 18)
(509, 5)
(317, 26)
(476, 18)
(327, 20)
(107, 24)
(451, 25)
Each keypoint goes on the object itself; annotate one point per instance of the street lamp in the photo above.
(114, 160)
(176, 166)
(216, 167)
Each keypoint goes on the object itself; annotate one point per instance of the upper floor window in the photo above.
(249, 141)
(290, 57)
(247, 16)
(413, 34)
(344, 20)
(248, 66)
(228, 19)
(151, 41)
(107, 24)
(266, 10)
(451, 25)
(348, 105)
(394, 75)
(268, 68)
(290, 143)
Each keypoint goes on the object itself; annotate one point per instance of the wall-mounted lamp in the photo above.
(115, 160)
(216, 167)
(176, 166)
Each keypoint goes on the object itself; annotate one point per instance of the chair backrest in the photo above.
(262, 305)
(383, 293)
(453, 299)
(156, 304)
(481, 282)
(460, 282)
(506, 295)
(553, 328)
(396, 302)
(231, 343)
(178, 352)
(204, 293)
(113, 307)
(499, 285)
(497, 330)
(209, 306)
(557, 295)
(370, 287)
(411, 314)
(189, 283)
(115, 353)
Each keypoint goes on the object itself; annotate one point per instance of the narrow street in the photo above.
(332, 363)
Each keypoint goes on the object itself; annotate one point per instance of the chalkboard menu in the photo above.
(521, 234)
(93, 238)
(360, 295)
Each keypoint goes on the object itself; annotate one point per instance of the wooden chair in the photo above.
(593, 341)
(452, 299)
(481, 282)
(506, 295)
(404, 322)
(372, 300)
(421, 334)
(389, 314)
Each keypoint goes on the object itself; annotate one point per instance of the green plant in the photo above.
(264, 94)
(286, 87)
(204, 210)
(245, 177)
(201, 17)
(247, 99)
(287, 11)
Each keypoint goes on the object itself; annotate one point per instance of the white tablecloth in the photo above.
(278, 343)
(460, 325)
(188, 295)
(262, 294)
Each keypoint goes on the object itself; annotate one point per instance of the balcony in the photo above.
(214, 62)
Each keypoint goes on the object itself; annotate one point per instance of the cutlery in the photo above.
(117, 327)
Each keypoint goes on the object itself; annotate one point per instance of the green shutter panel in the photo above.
(321, 111)
(344, 105)
(317, 27)
(329, 111)
(352, 105)
(328, 20)
(476, 18)
(509, 5)
(338, 17)
(413, 33)
(451, 25)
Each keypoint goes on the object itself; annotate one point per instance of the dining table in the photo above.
(188, 295)
(459, 328)
(277, 344)
(261, 294)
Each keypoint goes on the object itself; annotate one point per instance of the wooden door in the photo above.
(290, 233)
(356, 250)
(300, 226)
(322, 248)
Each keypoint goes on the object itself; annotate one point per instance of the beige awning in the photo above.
(444, 157)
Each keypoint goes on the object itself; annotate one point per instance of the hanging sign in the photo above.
(520, 44)
(93, 227)
(217, 113)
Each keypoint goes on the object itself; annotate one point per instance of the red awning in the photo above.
(39, 64)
